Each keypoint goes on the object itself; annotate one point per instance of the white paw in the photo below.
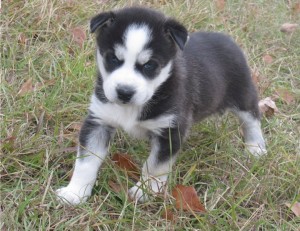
(136, 193)
(141, 191)
(256, 150)
(73, 196)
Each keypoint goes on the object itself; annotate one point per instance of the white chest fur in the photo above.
(127, 116)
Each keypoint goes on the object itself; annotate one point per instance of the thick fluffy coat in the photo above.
(154, 81)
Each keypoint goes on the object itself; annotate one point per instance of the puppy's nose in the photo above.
(125, 93)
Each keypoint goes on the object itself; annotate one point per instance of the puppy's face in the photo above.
(135, 49)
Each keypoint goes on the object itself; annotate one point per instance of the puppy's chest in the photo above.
(127, 117)
(124, 117)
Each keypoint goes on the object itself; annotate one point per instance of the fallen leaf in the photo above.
(78, 35)
(285, 95)
(295, 208)
(125, 162)
(268, 59)
(26, 87)
(267, 107)
(186, 199)
(168, 215)
(296, 8)
(117, 188)
(220, 4)
(288, 27)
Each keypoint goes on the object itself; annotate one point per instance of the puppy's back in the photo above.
(217, 72)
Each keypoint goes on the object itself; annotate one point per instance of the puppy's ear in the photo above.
(100, 20)
(177, 32)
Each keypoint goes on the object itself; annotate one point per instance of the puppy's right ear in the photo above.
(101, 20)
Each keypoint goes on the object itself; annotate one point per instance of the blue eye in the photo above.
(150, 67)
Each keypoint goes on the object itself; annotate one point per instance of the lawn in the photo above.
(47, 76)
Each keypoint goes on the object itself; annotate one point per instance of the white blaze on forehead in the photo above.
(136, 37)
(133, 50)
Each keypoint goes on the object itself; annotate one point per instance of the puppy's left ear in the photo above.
(101, 20)
(177, 32)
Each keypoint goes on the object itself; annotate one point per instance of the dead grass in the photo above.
(240, 192)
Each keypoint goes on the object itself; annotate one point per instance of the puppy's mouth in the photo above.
(123, 102)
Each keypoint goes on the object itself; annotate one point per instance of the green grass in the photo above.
(239, 191)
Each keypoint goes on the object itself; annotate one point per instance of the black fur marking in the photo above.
(99, 92)
(89, 126)
(169, 143)
(100, 20)
(219, 77)
(111, 62)
(149, 69)
(177, 32)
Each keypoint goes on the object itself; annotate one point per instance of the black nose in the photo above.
(125, 93)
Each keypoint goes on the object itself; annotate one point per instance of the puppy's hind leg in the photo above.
(94, 140)
(253, 136)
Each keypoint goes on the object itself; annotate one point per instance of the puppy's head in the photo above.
(135, 49)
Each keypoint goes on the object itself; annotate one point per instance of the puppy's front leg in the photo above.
(94, 140)
(164, 149)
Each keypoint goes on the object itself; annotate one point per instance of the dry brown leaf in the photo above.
(26, 87)
(296, 8)
(125, 162)
(220, 4)
(117, 188)
(168, 215)
(268, 59)
(187, 199)
(267, 107)
(289, 27)
(285, 95)
(295, 208)
(79, 35)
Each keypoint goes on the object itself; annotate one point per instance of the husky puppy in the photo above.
(154, 81)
